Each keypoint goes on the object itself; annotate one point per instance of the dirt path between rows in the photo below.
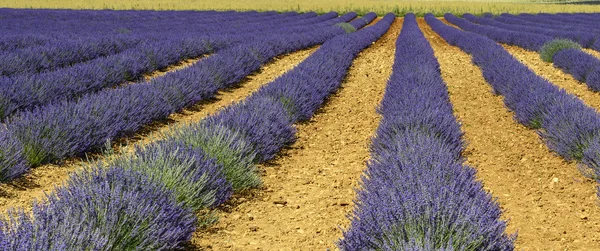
(555, 75)
(592, 52)
(21, 192)
(547, 200)
(308, 190)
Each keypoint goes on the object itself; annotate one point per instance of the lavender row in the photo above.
(529, 41)
(579, 17)
(130, 21)
(24, 37)
(50, 57)
(563, 54)
(417, 193)
(64, 53)
(560, 27)
(154, 191)
(568, 126)
(29, 91)
(512, 19)
(364, 20)
(556, 20)
(585, 39)
(71, 128)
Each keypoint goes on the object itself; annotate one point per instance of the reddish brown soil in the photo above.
(308, 190)
(21, 192)
(547, 200)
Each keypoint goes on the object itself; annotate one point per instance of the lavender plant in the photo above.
(550, 48)
(101, 209)
(196, 180)
(227, 147)
(12, 163)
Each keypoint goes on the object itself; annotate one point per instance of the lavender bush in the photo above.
(12, 163)
(196, 180)
(229, 148)
(101, 209)
(550, 48)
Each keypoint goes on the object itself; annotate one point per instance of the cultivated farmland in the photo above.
(265, 130)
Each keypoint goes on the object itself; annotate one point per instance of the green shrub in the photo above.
(347, 27)
(550, 48)
(226, 146)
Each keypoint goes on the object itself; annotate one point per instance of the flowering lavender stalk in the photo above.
(12, 163)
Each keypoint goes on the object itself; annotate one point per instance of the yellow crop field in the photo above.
(438, 7)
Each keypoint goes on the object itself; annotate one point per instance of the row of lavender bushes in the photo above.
(27, 28)
(561, 26)
(583, 38)
(59, 53)
(71, 128)
(417, 193)
(557, 21)
(587, 19)
(568, 126)
(564, 54)
(26, 92)
(69, 24)
(145, 200)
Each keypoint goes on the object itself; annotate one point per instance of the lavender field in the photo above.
(246, 130)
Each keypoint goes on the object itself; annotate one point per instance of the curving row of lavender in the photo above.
(583, 66)
(417, 193)
(567, 126)
(145, 201)
(71, 128)
(28, 91)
